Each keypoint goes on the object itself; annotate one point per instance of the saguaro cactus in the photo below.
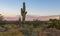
(23, 12)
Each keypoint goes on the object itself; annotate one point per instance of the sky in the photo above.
(33, 7)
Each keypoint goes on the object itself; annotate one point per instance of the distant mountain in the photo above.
(42, 18)
(9, 18)
(31, 18)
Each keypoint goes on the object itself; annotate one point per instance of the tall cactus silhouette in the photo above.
(23, 12)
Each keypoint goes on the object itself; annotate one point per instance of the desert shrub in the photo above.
(54, 24)
(2, 23)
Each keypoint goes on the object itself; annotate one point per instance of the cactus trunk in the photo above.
(23, 13)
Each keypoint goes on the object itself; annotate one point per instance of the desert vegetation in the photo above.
(29, 28)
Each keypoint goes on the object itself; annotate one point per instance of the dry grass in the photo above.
(12, 31)
(50, 32)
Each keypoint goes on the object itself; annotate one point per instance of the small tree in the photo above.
(54, 24)
(1, 20)
(1, 17)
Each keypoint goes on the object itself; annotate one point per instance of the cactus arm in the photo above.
(21, 11)
(26, 12)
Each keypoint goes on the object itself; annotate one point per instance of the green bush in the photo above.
(54, 24)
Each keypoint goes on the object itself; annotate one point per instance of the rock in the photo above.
(3, 29)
